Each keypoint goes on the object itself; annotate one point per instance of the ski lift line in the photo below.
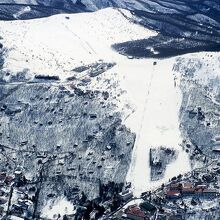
(187, 104)
(145, 104)
(148, 85)
(86, 44)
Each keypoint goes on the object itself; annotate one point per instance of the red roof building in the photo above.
(201, 186)
(135, 213)
(175, 186)
(188, 188)
(187, 185)
(9, 179)
(172, 194)
(206, 192)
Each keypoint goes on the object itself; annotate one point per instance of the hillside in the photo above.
(90, 105)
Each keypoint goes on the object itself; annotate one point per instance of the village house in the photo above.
(175, 186)
(2, 177)
(9, 179)
(206, 193)
(201, 186)
(93, 214)
(135, 213)
(148, 207)
(126, 195)
(177, 190)
(216, 149)
(217, 138)
(187, 189)
(171, 194)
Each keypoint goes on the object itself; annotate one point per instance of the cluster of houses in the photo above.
(143, 211)
(177, 190)
(16, 199)
(136, 211)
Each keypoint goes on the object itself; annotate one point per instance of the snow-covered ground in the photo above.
(57, 44)
(61, 206)
(156, 121)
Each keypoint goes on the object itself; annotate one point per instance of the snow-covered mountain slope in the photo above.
(94, 114)
(184, 26)
(59, 43)
(163, 108)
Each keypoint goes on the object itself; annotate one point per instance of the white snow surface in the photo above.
(60, 206)
(56, 45)
(156, 120)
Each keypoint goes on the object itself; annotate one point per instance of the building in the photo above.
(148, 207)
(135, 213)
(172, 194)
(13, 217)
(216, 149)
(175, 217)
(209, 192)
(119, 215)
(217, 138)
(18, 177)
(9, 179)
(187, 185)
(2, 176)
(201, 186)
(187, 189)
(161, 216)
(175, 191)
(175, 186)
(3, 200)
(126, 195)
(93, 214)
